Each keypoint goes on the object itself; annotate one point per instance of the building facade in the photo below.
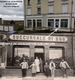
(46, 47)
(49, 13)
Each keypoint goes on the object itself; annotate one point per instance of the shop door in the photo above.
(39, 55)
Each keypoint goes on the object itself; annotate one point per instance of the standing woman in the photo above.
(52, 68)
(46, 69)
(37, 63)
(24, 67)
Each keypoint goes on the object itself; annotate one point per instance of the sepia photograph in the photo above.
(37, 39)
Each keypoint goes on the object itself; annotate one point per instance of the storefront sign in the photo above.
(38, 38)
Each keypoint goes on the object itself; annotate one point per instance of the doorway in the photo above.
(40, 55)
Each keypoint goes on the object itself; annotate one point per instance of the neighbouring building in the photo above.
(49, 13)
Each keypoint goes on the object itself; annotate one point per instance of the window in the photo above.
(29, 23)
(38, 10)
(39, 23)
(50, 22)
(64, 0)
(21, 51)
(64, 23)
(57, 23)
(29, 2)
(64, 8)
(55, 53)
(38, 1)
(50, 0)
(50, 8)
(29, 11)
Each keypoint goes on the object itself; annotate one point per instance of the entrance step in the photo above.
(18, 73)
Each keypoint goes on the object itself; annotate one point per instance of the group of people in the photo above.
(38, 66)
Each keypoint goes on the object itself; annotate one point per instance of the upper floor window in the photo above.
(38, 1)
(50, 0)
(50, 8)
(29, 11)
(29, 2)
(64, 8)
(39, 10)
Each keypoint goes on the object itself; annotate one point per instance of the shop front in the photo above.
(41, 46)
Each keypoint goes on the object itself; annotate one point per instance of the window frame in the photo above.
(62, 9)
(38, 2)
(38, 10)
(64, 23)
(52, 9)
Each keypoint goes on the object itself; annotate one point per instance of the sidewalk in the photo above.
(37, 78)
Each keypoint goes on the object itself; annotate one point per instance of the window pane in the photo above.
(57, 23)
(1, 27)
(64, 8)
(21, 51)
(55, 53)
(29, 23)
(29, 11)
(50, 22)
(50, 0)
(29, 2)
(39, 23)
(38, 10)
(6, 28)
(38, 1)
(64, 23)
(50, 8)
(11, 28)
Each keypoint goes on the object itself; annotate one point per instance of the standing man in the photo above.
(41, 65)
(24, 66)
(52, 68)
(37, 63)
(64, 65)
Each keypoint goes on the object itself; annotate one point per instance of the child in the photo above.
(33, 69)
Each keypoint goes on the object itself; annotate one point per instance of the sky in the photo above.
(11, 13)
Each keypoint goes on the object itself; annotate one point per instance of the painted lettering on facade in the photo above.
(38, 38)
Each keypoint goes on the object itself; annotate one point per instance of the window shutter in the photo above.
(29, 11)
(50, 9)
(64, 8)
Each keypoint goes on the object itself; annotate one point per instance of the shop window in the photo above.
(39, 10)
(50, 22)
(19, 54)
(39, 23)
(64, 23)
(29, 23)
(56, 54)
(21, 51)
